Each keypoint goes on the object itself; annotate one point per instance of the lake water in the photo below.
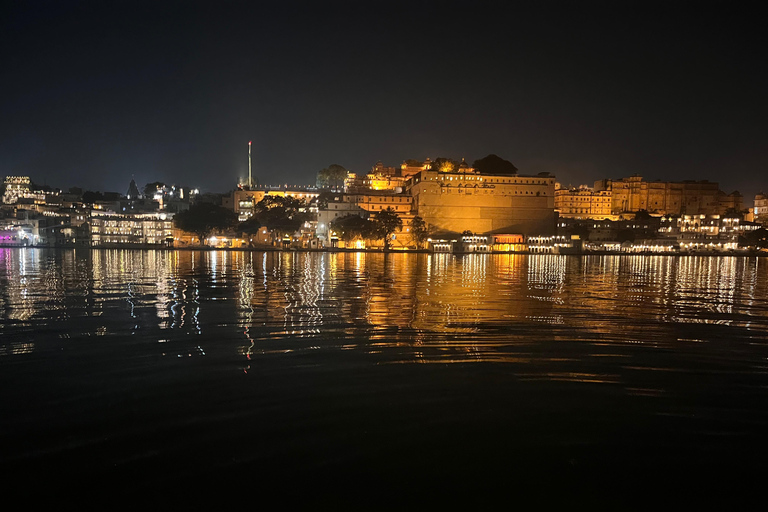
(369, 380)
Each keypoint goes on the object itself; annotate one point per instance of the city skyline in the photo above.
(173, 92)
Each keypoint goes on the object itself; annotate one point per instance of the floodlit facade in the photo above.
(366, 204)
(453, 202)
(583, 203)
(668, 197)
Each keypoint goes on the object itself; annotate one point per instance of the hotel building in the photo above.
(116, 229)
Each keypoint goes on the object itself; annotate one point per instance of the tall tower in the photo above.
(250, 184)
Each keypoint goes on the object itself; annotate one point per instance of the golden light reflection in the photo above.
(401, 307)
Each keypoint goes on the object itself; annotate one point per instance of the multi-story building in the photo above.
(243, 201)
(606, 230)
(668, 197)
(375, 201)
(730, 203)
(412, 167)
(118, 229)
(19, 194)
(761, 208)
(583, 203)
(710, 232)
(367, 203)
(380, 177)
(457, 201)
(335, 210)
(19, 232)
(15, 187)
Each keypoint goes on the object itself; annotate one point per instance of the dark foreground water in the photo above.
(372, 381)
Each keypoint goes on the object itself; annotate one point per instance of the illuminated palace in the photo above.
(612, 199)
(583, 203)
(669, 197)
(465, 200)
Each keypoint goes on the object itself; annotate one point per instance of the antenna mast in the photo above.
(250, 184)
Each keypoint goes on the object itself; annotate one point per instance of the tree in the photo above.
(90, 197)
(324, 198)
(581, 230)
(642, 215)
(283, 215)
(250, 226)
(333, 175)
(350, 227)
(323, 178)
(387, 222)
(44, 188)
(204, 218)
(493, 164)
(419, 231)
(442, 164)
(757, 239)
(291, 206)
(625, 235)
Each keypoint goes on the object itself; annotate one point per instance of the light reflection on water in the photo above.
(426, 307)
(130, 363)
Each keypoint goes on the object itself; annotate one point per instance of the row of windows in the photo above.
(582, 199)
(369, 199)
(494, 180)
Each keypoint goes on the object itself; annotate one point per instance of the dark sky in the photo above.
(94, 92)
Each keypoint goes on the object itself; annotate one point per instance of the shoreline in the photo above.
(746, 253)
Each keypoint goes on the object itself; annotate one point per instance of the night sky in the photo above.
(95, 92)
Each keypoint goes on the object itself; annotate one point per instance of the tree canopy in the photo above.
(332, 176)
(35, 186)
(419, 230)
(250, 226)
(387, 222)
(350, 227)
(325, 197)
(203, 219)
(283, 215)
(443, 164)
(90, 197)
(757, 239)
(625, 235)
(642, 215)
(493, 164)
